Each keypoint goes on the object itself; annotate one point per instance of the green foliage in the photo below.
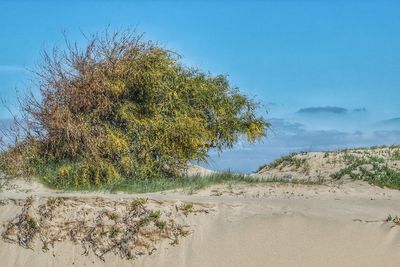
(186, 208)
(161, 224)
(144, 221)
(20, 160)
(113, 216)
(155, 214)
(381, 174)
(188, 184)
(55, 201)
(123, 107)
(396, 155)
(114, 231)
(395, 219)
(139, 202)
(29, 200)
(74, 174)
(289, 160)
(31, 222)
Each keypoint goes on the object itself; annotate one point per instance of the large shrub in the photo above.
(130, 108)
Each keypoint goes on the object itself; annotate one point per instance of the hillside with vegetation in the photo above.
(376, 165)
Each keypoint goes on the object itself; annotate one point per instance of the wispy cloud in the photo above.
(318, 110)
(8, 68)
(359, 110)
(389, 124)
(395, 120)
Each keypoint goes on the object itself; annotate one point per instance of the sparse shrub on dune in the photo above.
(124, 107)
(127, 228)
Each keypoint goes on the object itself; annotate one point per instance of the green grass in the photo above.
(155, 214)
(161, 224)
(187, 208)
(380, 174)
(144, 221)
(396, 155)
(49, 174)
(31, 222)
(113, 216)
(189, 184)
(288, 160)
(114, 232)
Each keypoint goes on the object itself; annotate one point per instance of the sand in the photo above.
(321, 166)
(259, 225)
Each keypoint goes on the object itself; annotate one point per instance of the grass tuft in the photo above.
(155, 214)
(186, 208)
(395, 219)
(144, 221)
(161, 224)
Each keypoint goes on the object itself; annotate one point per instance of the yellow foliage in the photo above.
(116, 88)
(130, 108)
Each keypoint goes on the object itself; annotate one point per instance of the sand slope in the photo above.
(260, 225)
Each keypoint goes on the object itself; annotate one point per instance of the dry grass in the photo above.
(128, 228)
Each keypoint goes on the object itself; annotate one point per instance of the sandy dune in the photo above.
(321, 166)
(260, 225)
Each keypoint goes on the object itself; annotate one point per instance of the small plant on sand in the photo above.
(155, 214)
(53, 201)
(396, 155)
(144, 221)
(161, 224)
(31, 222)
(186, 208)
(103, 234)
(297, 162)
(24, 224)
(306, 167)
(113, 216)
(114, 231)
(138, 202)
(395, 219)
(184, 231)
(45, 247)
(29, 200)
(332, 162)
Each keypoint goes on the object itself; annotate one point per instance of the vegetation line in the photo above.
(189, 184)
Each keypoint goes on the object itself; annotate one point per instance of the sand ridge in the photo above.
(250, 225)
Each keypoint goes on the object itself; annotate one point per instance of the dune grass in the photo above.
(188, 184)
(380, 173)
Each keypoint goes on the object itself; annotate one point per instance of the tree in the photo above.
(124, 107)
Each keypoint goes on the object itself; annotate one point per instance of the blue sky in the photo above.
(304, 60)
